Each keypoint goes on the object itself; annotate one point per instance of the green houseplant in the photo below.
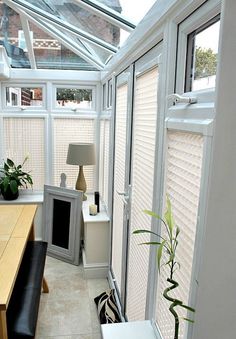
(12, 177)
(168, 244)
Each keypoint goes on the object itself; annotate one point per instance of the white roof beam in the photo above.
(28, 41)
(107, 13)
(67, 42)
(33, 10)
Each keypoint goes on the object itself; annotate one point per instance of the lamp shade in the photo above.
(81, 154)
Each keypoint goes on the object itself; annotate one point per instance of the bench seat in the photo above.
(22, 312)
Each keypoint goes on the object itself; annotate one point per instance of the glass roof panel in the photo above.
(133, 11)
(102, 54)
(51, 54)
(70, 12)
(12, 37)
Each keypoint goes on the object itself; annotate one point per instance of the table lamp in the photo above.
(81, 154)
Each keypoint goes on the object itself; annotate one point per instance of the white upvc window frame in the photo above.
(201, 16)
(78, 110)
(18, 108)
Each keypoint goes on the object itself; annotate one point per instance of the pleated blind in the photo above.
(143, 158)
(119, 180)
(101, 157)
(104, 159)
(184, 162)
(25, 136)
(67, 130)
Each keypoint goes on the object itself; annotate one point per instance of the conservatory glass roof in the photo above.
(66, 34)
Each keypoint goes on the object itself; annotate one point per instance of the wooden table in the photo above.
(16, 228)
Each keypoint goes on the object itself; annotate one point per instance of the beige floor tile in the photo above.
(68, 311)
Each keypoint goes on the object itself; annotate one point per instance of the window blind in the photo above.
(101, 158)
(184, 162)
(22, 137)
(67, 130)
(143, 158)
(104, 159)
(119, 181)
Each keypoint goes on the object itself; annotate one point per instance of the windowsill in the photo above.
(24, 199)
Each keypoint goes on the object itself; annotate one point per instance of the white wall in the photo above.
(216, 306)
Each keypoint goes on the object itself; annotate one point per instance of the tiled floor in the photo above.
(68, 311)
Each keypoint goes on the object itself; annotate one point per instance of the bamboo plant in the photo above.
(168, 244)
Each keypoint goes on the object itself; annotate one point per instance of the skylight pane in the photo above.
(12, 37)
(79, 17)
(130, 10)
(51, 54)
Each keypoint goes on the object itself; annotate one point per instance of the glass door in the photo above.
(120, 190)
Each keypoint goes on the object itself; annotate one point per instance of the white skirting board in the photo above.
(96, 270)
(129, 330)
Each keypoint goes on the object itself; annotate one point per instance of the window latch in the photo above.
(176, 98)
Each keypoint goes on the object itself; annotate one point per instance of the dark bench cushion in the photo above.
(23, 308)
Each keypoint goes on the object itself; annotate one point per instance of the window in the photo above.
(183, 177)
(68, 130)
(25, 136)
(74, 98)
(24, 96)
(202, 53)
(109, 97)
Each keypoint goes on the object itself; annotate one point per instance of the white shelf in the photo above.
(100, 217)
(24, 199)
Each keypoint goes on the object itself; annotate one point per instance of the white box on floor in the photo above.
(129, 330)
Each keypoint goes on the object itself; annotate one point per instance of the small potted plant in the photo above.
(168, 244)
(12, 177)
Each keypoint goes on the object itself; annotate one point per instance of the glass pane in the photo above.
(51, 54)
(74, 98)
(12, 37)
(143, 161)
(128, 10)
(203, 62)
(67, 130)
(26, 136)
(81, 18)
(61, 223)
(24, 96)
(183, 178)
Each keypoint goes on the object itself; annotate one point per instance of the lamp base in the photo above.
(81, 183)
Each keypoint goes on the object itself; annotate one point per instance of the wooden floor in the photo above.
(68, 311)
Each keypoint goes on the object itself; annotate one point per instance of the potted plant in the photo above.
(12, 177)
(168, 244)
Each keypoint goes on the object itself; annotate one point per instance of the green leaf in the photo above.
(152, 214)
(177, 232)
(150, 243)
(171, 258)
(10, 162)
(168, 216)
(159, 254)
(188, 308)
(144, 231)
(14, 186)
(189, 320)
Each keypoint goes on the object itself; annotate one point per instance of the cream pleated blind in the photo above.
(143, 159)
(101, 158)
(119, 180)
(184, 162)
(25, 136)
(68, 130)
(104, 159)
